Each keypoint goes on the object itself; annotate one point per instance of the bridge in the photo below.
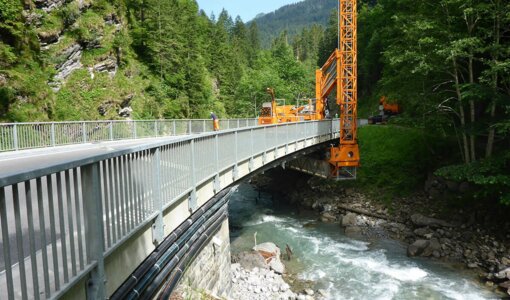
(80, 221)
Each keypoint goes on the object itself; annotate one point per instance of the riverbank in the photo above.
(417, 221)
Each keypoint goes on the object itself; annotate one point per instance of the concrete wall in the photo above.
(210, 271)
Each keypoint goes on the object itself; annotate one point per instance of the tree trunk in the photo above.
(472, 111)
(462, 116)
(492, 132)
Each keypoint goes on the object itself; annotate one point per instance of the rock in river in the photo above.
(420, 220)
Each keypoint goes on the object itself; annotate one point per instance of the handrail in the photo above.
(30, 135)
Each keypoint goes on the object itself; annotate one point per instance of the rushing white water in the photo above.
(343, 266)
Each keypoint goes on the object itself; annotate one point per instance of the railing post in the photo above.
(174, 128)
(217, 183)
(84, 131)
(189, 127)
(250, 165)
(236, 168)
(156, 128)
(158, 232)
(264, 155)
(52, 134)
(192, 203)
(15, 136)
(94, 231)
(287, 139)
(134, 129)
(203, 126)
(276, 142)
(111, 130)
(238, 124)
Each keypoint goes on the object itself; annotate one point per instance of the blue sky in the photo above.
(247, 9)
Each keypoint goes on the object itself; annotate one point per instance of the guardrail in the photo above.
(60, 223)
(20, 136)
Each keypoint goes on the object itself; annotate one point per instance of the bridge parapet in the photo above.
(20, 136)
(77, 228)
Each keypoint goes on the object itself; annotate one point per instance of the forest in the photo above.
(446, 62)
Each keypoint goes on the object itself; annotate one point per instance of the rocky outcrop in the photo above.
(49, 5)
(125, 112)
(108, 65)
(71, 57)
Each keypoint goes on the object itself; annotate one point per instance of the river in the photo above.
(346, 267)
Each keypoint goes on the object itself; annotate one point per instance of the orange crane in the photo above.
(340, 72)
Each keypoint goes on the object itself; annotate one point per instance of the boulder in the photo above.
(250, 260)
(422, 221)
(328, 217)
(417, 248)
(309, 292)
(352, 230)
(277, 266)
(349, 219)
(505, 285)
(433, 246)
(505, 273)
(505, 260)
(271, 254)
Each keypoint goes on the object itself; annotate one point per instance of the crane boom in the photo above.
(340, 71)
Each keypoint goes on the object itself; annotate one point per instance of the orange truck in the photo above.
(386, 110)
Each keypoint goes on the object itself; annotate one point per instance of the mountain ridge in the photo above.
(293, 18)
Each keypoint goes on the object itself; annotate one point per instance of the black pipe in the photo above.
(164, 273)
(190, 255)
(167, 256)
(149, 262)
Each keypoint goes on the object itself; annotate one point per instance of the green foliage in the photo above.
(490, 176)
(70, 13)
(7, 55)
(394, 160)
(89, 27)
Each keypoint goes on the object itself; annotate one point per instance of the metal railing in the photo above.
(59, 224)
(19, 136)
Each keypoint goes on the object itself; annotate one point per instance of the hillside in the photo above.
(115, 59)
(293, 18)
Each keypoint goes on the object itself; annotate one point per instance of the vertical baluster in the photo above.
(6, 244)
(19, 241)
(113, 209)
(107, 188)
(31, 235)
(67, 177)
(63, 239)
(78, 218)
(42, 226)
(51, 194)
(129, 160)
